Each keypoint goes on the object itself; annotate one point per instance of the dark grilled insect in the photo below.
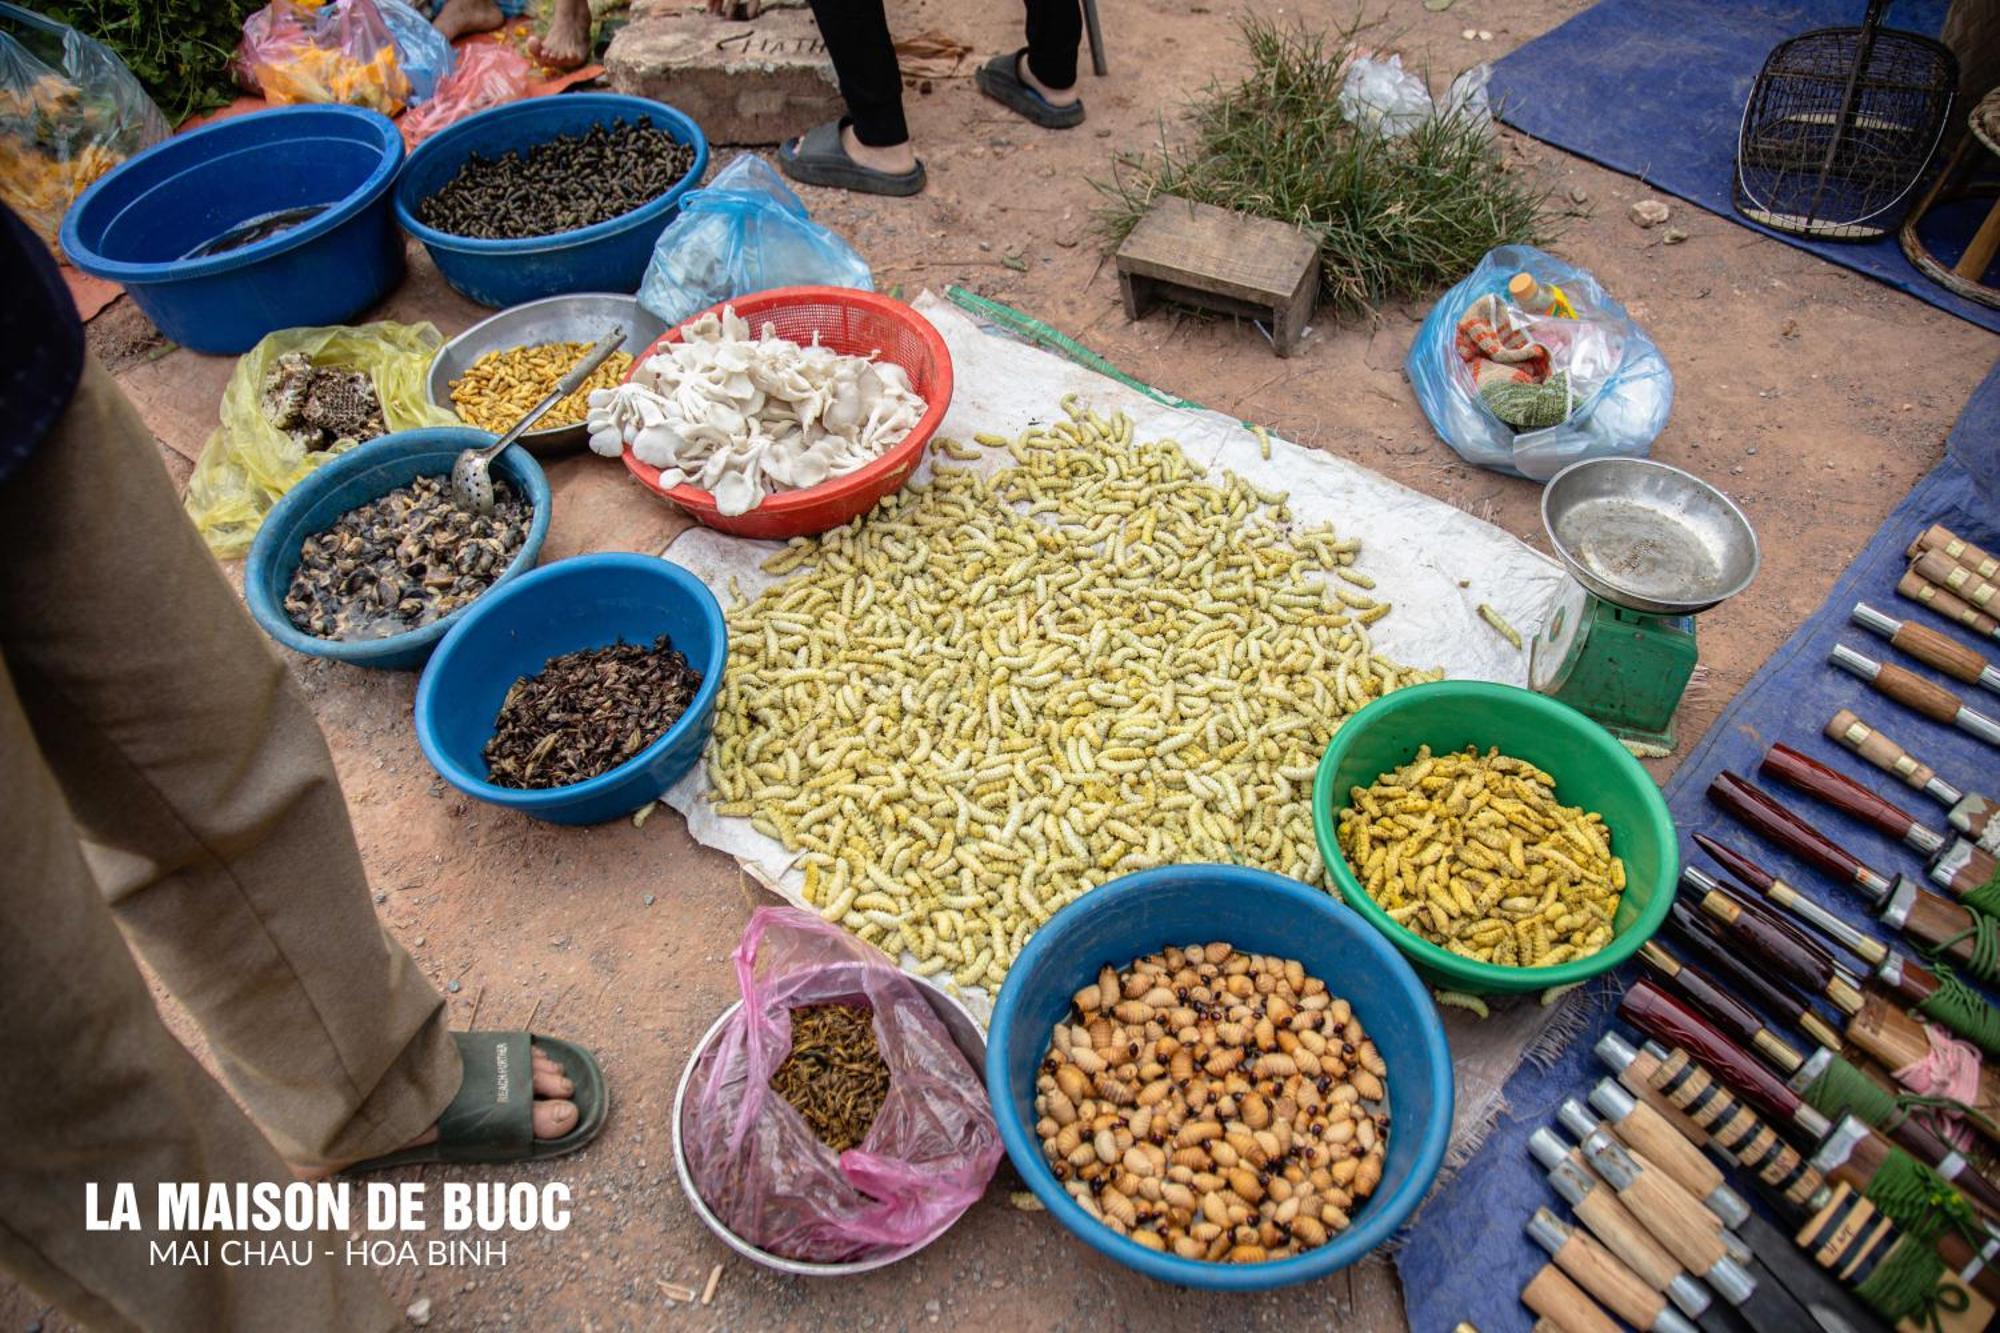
(568, 182)
(587, 712)
(402, 561)
(835, 1075)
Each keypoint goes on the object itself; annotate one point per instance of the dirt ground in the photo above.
(1814, 396)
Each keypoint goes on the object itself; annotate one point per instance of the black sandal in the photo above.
(491, 1119)
(818, 157)
(1000, 79)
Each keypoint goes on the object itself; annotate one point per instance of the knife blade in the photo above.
(1968, 812)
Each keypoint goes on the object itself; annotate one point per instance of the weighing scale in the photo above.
(1649, 546)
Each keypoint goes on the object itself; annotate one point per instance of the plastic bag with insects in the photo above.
(757, 1164)
(1614, 382)
(69, 112)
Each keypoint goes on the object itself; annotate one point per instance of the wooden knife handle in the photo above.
(1947, 604)
(1611, 1222)
(1842, 793)
(1932, 920)
(1764, 816)
(1938, 537)
(1672, 1023)
(1648, 1132)
(1737, 1129)
(1849, 730)
(1613, 1284)
(1677, 1220)
(1935, 650)
(1945, 572)
(1897, 1040)
(1556, 1298)
(1913, 691)
(1737, 1020)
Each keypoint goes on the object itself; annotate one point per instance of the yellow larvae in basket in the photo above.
(1475, 854)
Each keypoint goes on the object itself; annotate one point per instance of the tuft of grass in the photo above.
(1394, 218)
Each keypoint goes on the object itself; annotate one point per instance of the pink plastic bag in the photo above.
(487, 74)
(757, 1164)
(342, 52)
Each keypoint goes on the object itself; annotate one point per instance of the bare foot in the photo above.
(1053, 96)
(567, 42)
(459, 18)
(554, 1114)
(896, 160)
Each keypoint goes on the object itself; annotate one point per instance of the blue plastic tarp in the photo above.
(1655, 89)
(1466, 1255)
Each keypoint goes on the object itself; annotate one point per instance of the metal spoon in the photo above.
(471, 483)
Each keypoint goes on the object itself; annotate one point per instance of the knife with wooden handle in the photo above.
(1930, 647)
(1672, 1023)
(1947, 604)
(1900, 903)
(1937, 537)
(1598, 1272)
(1597, 1206)
(1677, 1219)
(1738, 1020)
(1968, 812)
(1941, 570)
(1916, 693)
(1562, 1302)
(1648, 1132)
(1956, 864)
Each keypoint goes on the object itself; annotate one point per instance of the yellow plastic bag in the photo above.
(248, 463)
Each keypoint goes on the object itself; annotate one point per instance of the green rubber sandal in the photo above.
(491, 1119)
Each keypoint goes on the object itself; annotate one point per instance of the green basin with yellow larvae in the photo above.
(1591, 771)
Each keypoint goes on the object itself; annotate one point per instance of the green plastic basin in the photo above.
(1591, 769)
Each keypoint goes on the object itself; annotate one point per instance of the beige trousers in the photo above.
(163, 785)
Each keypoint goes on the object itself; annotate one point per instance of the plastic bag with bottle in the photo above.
(743, 232)
(1593, 384)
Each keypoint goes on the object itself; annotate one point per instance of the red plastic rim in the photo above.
(852, 323)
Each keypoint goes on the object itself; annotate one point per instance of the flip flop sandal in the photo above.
(818, 157)
(491, 1119)
(1000, 79)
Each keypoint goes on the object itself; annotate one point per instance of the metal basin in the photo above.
(582, 317)
(1647, 536)
(965, 1034)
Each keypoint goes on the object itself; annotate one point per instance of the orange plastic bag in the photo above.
(487, 74)
(300, 51)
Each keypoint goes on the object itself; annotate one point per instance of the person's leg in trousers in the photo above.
(97, 1090)
(856, 33)
(206, 798)
(1054, 30)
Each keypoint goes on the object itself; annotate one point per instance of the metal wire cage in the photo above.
(1839, 128)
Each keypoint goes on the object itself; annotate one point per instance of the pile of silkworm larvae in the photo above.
(991, 693)
(1214, 1105)
(1475, 853)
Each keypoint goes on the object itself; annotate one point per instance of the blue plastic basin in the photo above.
(134, 225)
(586, 601)
(608, 257)
(349, 481)
(1258, 912)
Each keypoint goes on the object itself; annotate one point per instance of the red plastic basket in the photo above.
(853, 324)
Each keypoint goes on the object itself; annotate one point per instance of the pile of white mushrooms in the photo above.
(741, 418)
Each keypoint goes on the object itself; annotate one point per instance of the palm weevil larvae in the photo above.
(1500, 625)
(1475, 854)
(996, 691)
(1215, 1105)
(403, 560)
(498, 388)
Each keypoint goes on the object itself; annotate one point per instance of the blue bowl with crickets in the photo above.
(586, 601)
(1255, 912)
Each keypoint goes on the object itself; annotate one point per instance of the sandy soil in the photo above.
(1814, 396)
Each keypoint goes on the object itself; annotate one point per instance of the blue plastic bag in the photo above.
(425, 56)
(1625, 389)
(744, 232)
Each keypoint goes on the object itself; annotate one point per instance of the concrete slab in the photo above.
(754, 81)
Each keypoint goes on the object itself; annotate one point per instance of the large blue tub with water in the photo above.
(329, 166)
(608, 257)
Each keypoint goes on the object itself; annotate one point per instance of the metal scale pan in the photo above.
(1648, 537)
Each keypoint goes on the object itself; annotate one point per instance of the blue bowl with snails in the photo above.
(352, 479)
(1253, 911)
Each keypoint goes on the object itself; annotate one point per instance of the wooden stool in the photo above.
(1967, 276)
(1210, 258)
